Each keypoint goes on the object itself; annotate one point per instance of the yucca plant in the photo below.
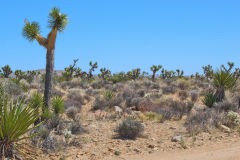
(209, 99)
(36, 102)
(58, 105)
(16, 121)
(57, 22)
(222, 80)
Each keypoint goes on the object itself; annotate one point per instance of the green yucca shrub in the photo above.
(222, 81)
(58, 105)
(209, 99)
(16, 121)
(36, 102)
(109, 95)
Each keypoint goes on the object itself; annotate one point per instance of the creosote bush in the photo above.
(130, 129)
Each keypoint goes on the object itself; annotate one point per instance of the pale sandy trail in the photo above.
(217, 152)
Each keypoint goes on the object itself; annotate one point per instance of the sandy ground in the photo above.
(216, 152)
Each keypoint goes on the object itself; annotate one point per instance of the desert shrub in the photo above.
(147, 84)
(130, 129)
(183, 94)
(137, 101)
(15, 122)
(155, 86)
(78, 96)
(103, 103)
(57, 92)
(75, 83)
(98, 84)
(174, 110)
(43, 132)
(72, 112)
(183, 84)
(54, 121)
(226, 106)
(152, 116)
(141, 92)
(209, 99)
(58, 105)
(52, 143)
(232, 119)
(194, 95)
(13, 89)
(169, 89)
(203, 121)
(76, 128)
(46, 114)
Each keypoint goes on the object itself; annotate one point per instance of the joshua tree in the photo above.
(104, 73)
(179, 73)
(68, 73)
(6, 71)
(92, 69)
(222, 80)
(31, 31)
(136, 73)
(19, 74)
(230, 67)
(208, 71)
(154, 69)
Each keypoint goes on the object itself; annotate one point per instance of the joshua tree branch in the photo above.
(41, 40)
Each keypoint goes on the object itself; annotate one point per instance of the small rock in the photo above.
(151, 146)
(137, 150)
(117, 153)
(225, 128)
(118, 110)
(177, 139)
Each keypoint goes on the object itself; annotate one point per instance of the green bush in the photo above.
(58, 105)
(209, 99)
(130, 129)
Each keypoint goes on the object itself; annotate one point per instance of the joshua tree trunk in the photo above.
(153, 76)
(49, 76)
(220, 94)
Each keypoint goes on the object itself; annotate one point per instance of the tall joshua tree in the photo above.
(31, 31)
(154, 69)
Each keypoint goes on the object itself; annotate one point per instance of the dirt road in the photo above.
(217, 152)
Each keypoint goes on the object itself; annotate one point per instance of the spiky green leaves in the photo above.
(57, 20)
(15, 121)
(223, 79)
(31, 30)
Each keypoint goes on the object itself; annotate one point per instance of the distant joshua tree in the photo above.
(104, 73)
(154, 69)
(179, 73)
(31, 31)
(92, 69)
(6, 71)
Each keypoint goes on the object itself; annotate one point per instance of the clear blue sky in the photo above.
(126, 34)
